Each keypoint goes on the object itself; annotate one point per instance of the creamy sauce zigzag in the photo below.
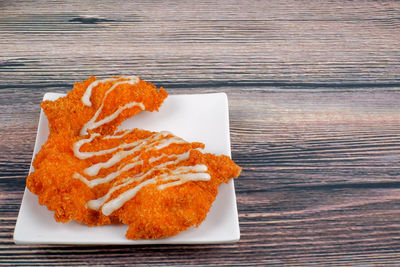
(169, 177)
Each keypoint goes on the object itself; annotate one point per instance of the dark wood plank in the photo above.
(320, 181)
(258, 43)
(314, 96)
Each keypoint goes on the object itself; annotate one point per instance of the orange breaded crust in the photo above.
(176, 209)
(157, 183)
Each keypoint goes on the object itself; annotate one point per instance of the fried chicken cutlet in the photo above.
(88, 171)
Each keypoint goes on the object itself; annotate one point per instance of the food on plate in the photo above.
(92, 172)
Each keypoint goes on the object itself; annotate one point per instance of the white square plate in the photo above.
(203, 118)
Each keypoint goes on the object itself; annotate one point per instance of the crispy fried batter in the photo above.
(151, 212)
(176, 209)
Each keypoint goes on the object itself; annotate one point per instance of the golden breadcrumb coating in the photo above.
(153, 212)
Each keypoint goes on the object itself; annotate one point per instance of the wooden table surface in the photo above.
(314, 98)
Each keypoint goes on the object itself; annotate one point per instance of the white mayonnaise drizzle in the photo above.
(156, 141)
(109, 177)
(138, 177)
(118, 202)
(88, 93)
(116, 158)
(118, 136)
(137, 145)
(181, 176)
(92, 124)
(153, 159)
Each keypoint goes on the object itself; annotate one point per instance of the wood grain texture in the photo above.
(259, 43)
(314, 98)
